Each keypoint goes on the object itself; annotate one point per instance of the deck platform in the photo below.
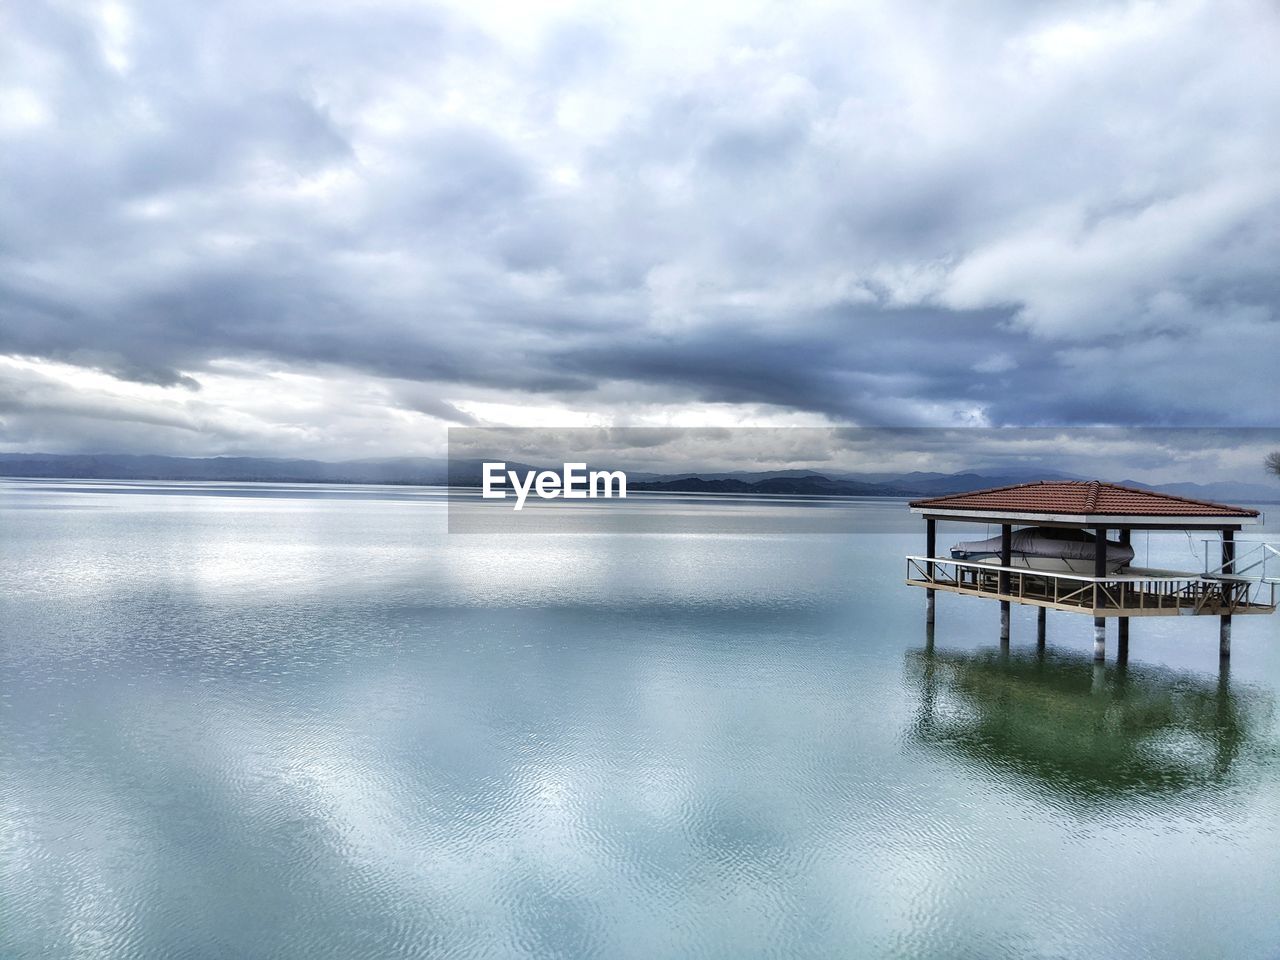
(1135, 593)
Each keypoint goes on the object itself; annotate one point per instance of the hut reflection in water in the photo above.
(1050, 721)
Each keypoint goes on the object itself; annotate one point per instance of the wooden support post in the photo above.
(1122, 626)
(930, 547)
(1228, 567)
(1099, 571)
(1126, 538)
(1006, 559)
(1006, 555)
(1041, 616)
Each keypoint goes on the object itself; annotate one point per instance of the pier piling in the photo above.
(930, 546)
(1228, 567)
(1099, 571)
(1006, 559)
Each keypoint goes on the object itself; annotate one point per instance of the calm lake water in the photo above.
(264, 721)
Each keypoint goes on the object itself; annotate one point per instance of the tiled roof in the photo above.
(1081, 497)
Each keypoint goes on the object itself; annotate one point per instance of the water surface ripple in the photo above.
(267, 722)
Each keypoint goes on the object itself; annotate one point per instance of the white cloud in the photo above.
(586, 209)
(22, 109)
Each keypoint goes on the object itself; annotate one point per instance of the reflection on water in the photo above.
(251, 724)
(1089, 733)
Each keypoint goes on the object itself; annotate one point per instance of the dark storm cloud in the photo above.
(841, 363)
(1047, 214)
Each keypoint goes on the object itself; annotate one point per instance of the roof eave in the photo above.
(1091, 519)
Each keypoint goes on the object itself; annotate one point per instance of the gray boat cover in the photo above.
(1051, 542)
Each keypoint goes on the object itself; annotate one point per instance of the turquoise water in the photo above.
(246, 721)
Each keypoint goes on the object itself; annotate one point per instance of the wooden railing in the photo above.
(1117, 595)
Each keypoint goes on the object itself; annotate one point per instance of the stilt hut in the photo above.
(1231, 583)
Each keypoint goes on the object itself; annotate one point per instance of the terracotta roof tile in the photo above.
(1081, 497)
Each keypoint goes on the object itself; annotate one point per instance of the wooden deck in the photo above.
(1136, 593)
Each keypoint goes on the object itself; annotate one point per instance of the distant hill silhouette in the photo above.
(428, 471)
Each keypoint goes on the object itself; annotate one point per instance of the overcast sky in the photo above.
(332, 230)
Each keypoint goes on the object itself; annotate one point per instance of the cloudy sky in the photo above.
(333, 230)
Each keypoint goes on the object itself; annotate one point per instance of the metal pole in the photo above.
(1228, 567)
(1006, 559)
(1126, 538)
(1122, 625)
(930, 546)
(1006, 555)
(1099, 571)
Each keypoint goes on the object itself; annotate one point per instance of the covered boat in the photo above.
(1047, 548)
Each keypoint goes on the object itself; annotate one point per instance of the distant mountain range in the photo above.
(130, 467)
(931, 485)
(428, 471)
